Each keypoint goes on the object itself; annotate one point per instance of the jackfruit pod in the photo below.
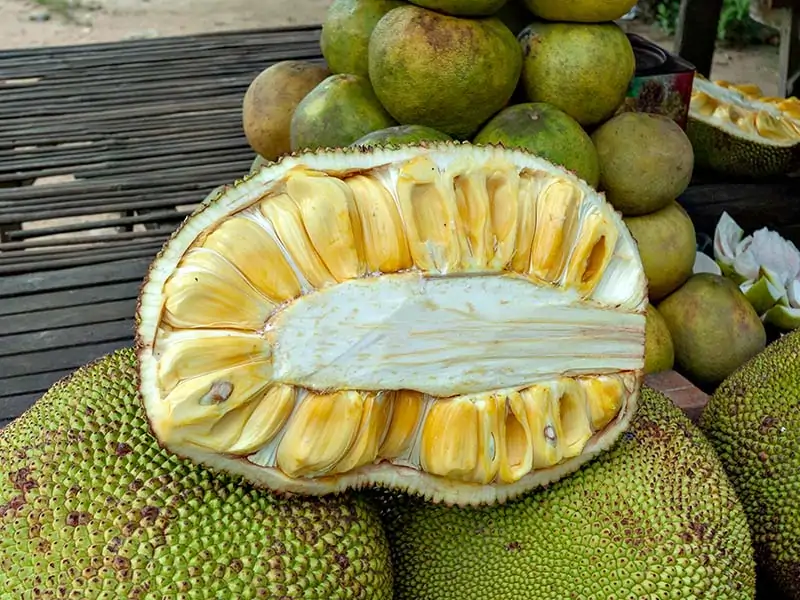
(465, 323)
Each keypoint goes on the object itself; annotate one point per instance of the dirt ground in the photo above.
(26, 23)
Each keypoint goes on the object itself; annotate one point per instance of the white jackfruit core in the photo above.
(447, 335)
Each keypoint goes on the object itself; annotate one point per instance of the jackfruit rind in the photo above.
(655, 517)
(91, 508)
(753, 421)
(462, 322)
(737, 133)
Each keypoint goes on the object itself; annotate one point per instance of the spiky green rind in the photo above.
(753, 421)
(655, 517)
(720, 151)
(91, 508)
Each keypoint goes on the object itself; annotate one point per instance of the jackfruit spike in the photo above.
(319, 434)
(503, 186)
(556, 228)
(252, 250)
(284, 216)
(197, 404)
(516, 456)
(575, 425)
(448, 446)
(189, 353)
(406, 409)
(472, 199)
(331, 221)
(207, 291)
(491, 409)
(541, 409)
(604, 395)
(592, 253)
(530, 186)
(374, 419)
(428, 206)
(385, 244)
(269, 416)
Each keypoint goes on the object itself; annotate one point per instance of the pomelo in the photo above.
(336, 113)
(546, 131)
(402, 134)
(270, 102)
(444, 72)
(580, 11)
(344, 40)
(646, 161)
(583, 69)
(667, 246)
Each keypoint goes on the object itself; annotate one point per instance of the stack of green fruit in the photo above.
(434, 70)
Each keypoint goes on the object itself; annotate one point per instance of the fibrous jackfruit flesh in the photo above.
(92, 509)
(753, 421)
(654, 518)
(735, 129)
(463, 322)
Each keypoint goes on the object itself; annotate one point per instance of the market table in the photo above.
(105, 148)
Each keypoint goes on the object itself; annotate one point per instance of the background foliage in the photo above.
(735, 26)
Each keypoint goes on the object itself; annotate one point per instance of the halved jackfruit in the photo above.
(460, 322)
(735, 130)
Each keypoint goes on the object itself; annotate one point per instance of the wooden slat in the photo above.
(696, 35)
(789, 56)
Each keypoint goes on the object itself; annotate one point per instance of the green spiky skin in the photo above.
(654, 518)
(753, 421)
(717, 150)
(91, 508)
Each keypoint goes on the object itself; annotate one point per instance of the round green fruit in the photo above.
(714, 329)
(346, 30)
(463, 8)
(583, 69)
(444, 72)
(546, 131)
(402, 134)
(659, 354)
(646, 161)
(336, 113)
(580, 11)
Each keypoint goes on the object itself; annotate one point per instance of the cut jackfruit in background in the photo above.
(461, 322)
(735, 130)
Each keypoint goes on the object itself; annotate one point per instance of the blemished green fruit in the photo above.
(655, 517)
(667, 245)
(545, 131)
(270, 102)
(344, 39)
(736, 130)
(92, 508)
(402, 134)
(336, 113)
(646, 161)
(580, 11)
(753, 421)
(444, 72)
(583, 69)
(659, 353)
(463, 8)
(714, 329)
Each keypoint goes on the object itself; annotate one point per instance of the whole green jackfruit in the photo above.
(92, 508)
(655, 517)
(753, 421)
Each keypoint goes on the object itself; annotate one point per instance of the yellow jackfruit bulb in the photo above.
(411, 318)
